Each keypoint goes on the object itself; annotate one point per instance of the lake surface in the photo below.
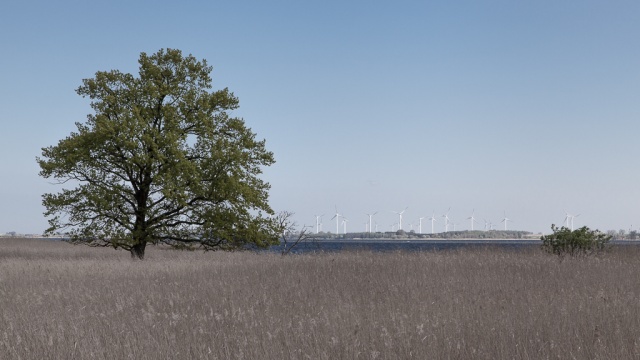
(416, 245)
(404, 245)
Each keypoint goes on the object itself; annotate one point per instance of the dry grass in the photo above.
(63, 302)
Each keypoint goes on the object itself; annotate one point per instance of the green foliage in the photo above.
(160, 161)
(580, 242)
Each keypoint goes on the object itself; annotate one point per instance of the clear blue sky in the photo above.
(528, 107)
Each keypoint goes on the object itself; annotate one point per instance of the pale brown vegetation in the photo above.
(59, 301)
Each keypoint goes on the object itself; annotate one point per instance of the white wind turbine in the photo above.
(420, 226)
(505, 220)
(344, 224)
(432, 219)
(572, 218)
(446, 220)
(318, 217)
(337, 217)
(472, 218)
(490, 224)
(569, 219)
(400, 215)
(370, 216)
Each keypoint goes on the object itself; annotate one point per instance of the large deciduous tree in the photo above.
(160, 161)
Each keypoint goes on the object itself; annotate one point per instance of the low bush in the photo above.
(580, 242)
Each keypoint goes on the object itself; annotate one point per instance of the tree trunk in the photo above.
(137, 251)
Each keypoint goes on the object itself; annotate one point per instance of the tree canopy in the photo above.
(160, 161)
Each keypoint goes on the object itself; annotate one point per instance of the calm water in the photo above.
(404, 245)
(418, 245)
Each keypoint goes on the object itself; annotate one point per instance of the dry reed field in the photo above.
(59, 301)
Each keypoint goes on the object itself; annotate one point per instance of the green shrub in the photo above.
(580, 242)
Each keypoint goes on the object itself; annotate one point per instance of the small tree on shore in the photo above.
(580, 242)
(291, 237)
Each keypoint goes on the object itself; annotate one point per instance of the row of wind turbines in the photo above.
(369, 227)
(568, 221)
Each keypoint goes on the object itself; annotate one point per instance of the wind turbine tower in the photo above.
(420, 226)
(432, 219)
(318, 217)
(569, 219)
(473, 219)
(446, 220)
(505, 220)
(337, 217)
(400, 215)
(370, 216)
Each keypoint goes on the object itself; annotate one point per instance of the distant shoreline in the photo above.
(487, 241)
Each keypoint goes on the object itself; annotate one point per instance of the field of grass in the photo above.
(59, 301)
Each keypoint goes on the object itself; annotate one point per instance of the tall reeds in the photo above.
(61, 301)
